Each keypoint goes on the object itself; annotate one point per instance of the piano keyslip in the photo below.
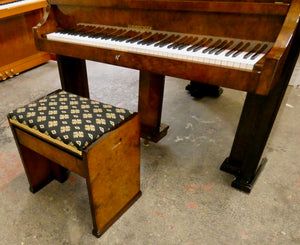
(215, 50)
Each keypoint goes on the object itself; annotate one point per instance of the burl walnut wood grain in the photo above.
(113, 181)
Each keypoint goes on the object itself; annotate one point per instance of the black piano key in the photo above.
(197, 44)
(261, 50)
(79, 30)
(158, 39)
(127, 35)
(257, 46)
(212, 46)
(71, 31)
(228, 45)
(96, 31)
(206, 43)
(174, 44)
(116, 37)
(135, 38)
(230, 52)
(99, 32)
(180, 42)
(148, 39)
(115, 34)
(163, 41)
(110, 34)
(221, 45)
(167, 41)
(87, 30)
(139, 37)
(241, 49)
(188, 42)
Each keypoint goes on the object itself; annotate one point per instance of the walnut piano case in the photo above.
(265, 81)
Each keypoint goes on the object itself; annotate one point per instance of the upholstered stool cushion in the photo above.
(70, 120)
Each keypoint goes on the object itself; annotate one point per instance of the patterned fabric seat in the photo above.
(74, 122)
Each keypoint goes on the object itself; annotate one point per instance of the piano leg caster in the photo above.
(200, 90)
(239, 182)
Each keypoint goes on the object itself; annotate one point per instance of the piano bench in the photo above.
(63, 132)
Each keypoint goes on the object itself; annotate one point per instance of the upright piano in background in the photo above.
(249, 45)
(17, 50)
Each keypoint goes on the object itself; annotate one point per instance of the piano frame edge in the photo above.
(276, 57)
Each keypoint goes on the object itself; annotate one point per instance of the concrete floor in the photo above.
(186, 199)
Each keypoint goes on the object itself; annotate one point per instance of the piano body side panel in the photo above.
(277, 57)
(17, 43)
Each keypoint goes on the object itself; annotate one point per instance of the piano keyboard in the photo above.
(7, 6)
(227, 52)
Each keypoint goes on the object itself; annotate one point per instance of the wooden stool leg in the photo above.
(60, 173)
(113, 175)
(40, 170)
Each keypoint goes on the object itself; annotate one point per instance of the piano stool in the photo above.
(63, 132)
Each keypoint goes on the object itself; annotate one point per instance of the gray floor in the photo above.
(186, 199)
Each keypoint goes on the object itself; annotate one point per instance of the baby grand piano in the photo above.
(249, 45)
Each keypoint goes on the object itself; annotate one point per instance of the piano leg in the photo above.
(151, 91)
(258, 115)
(252, 133)
(73, 75)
